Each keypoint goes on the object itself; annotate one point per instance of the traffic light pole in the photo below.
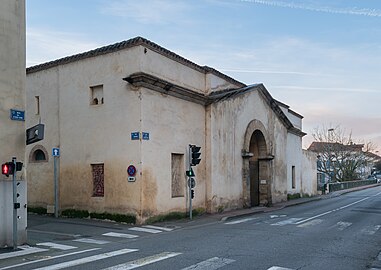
(14, 205)
(189, 187)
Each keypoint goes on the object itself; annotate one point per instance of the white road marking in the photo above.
(25, 250)
(50, 258)
(329, 212)
(54, 233)
(276, 216)
(91, 241)
(239, 221)
(210, 264)
(56, 246)
(121, 235)
(310, 223)
(343, 225)
(143, 261)
(140, 229)
(158, 228)
(279, 268)
(287, 222)
(87, 259)
(370, 230)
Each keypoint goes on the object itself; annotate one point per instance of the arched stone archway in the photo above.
(257, 158)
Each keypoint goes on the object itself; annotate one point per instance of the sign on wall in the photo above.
(17, 115)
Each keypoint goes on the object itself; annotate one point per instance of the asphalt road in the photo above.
(343, 232)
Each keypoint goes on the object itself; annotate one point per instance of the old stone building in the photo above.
(12, 113)
(137, 103)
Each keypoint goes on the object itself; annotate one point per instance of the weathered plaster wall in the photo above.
(215, 83)
(155, 64)
(294, 118)
(229, 121)
(12, 78)
(90, 134)
(309, 173)
(45, 86)
(294, 158)
(12, 96)
(173, 124)
(279, 187)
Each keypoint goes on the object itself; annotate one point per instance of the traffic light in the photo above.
(190, 173)
(195, 155)
(192, 193)
(7, 168)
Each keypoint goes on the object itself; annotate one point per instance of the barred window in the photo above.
(98, 180)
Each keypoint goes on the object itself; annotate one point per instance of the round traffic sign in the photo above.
(131, 170)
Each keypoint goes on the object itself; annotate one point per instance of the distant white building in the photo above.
(137, 103)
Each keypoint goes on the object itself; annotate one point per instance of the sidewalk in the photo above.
(254, 210)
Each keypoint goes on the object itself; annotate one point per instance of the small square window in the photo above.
(96, 95)
(37, 102)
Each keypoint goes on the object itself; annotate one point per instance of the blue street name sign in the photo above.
(145, 136)
(17, 115)
(56, 152)
(135, 135)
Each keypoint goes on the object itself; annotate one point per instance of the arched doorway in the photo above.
(258, 149)
(257, 165)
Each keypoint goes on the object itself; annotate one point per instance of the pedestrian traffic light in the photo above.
(192, 193)
(7, 168)
(195, 154)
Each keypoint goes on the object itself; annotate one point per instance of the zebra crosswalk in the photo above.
(301, 222)
(55, 262)
(138, 261)
(107, 237)
(97, 240)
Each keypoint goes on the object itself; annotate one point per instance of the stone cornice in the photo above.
(141, 79)
(154, 83)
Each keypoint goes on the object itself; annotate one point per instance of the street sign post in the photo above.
(56, 155)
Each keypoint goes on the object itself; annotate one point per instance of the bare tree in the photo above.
(339, 157)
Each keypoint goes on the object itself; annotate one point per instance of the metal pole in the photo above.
(190, 202)
(189, 186)
(55, 188)
(14, 205)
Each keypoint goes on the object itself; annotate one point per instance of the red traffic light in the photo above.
(7, 168)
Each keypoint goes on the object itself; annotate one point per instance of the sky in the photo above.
(320, 57)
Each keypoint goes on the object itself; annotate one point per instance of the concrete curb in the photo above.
(258, 210)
